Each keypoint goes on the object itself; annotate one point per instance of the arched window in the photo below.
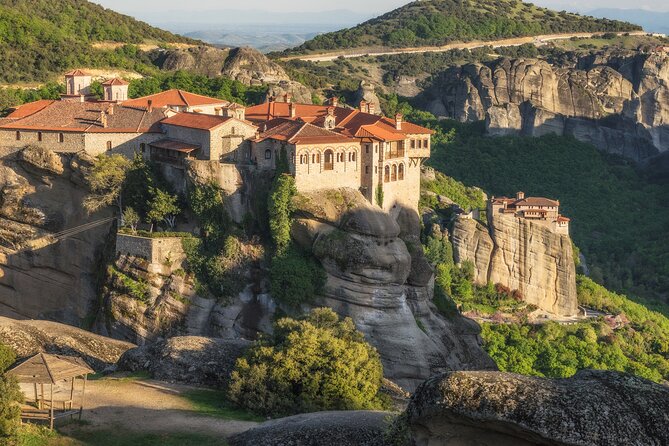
(386, 174)
(268, 154)
(394, 175)
(340, 157)
(401, 172)
(304, 159)
(329, 160)
(354, 157)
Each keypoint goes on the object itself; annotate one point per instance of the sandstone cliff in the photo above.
(41, 194)
(521, 255)
(618, 102)
(378, 276)
(592, 408)
(245, 65)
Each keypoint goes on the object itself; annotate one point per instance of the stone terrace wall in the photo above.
(155, 250)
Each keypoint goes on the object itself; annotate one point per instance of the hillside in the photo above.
(39, 38)
(438, 22)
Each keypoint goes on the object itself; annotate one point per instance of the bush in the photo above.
(296, 277)
(7, 357)
(280, 210)
(10, 396)
(318, 363)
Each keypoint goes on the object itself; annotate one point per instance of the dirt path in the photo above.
(148, 407)
(537, 40)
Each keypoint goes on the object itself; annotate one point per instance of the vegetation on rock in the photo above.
(106, 180)
(313, 364)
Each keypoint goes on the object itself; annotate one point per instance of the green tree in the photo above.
(7, 357)
(208, 204)
(317, 363)
(106, 179)
(280, 206)
(131, 218)
(163, 207)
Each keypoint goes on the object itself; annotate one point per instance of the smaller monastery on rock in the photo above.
(327, 147)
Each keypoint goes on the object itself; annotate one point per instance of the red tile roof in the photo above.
(115, 81)
(77, 73)
(537, 201)
(563, 219)
(30, 108)
(199, 121)
(177, 98)
(300, 132)
(349, 122)
(86, 117)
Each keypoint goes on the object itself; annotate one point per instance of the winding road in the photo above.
(517, 41)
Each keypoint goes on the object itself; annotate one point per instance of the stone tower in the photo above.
(77, 85)
(115, 90)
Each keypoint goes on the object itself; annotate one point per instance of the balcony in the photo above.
(419, 153)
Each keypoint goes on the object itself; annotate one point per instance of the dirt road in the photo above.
(537, 40)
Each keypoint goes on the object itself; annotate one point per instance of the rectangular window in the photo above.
(426, 143)
(109, 145)
(376, 169)
(413, 143)
(39, 136)
(61, 137)
(367, 149)
(18, 135)
(366, 169)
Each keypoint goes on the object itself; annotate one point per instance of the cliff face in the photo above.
(378, 276)
(521, 255)
(620, 103)
(40, 194)
(246, 65)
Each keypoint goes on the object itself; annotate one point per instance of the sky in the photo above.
(146, 7)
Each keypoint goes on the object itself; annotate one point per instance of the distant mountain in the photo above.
(262, 41)
(652, 21)
(39, 38)
(438, 22)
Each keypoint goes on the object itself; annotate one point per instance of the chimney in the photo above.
(334, 101)
(271, 99)
(291, 109)
(520, 196)
(103, 119)
(150, 106)
(371, 107)
(363, 106)
(398, 121)
(217, 111)
(288, 98)
(331, 111)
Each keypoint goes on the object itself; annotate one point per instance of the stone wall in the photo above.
(72, 142)
(157, 251)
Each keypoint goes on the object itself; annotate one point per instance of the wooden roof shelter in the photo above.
(51, 370)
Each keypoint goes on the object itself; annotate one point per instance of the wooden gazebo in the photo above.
(51, 370)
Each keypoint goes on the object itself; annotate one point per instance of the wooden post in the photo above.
(41, 401)
(36, 398)
(51, 417)
(83, 397)
(72, 393)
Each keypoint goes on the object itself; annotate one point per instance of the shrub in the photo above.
(7, 357)
(280, 209)
(10, 396)
(317, 363)
(296, 277)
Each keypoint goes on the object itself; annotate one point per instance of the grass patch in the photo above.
(215, 403)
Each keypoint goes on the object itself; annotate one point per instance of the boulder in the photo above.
(41, 160)
(188, 359)
(593, 408)
(28, 338)
(353, 428)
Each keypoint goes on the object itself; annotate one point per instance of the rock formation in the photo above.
(523, 255)
(378, 276)
(351, 428)
(41, 193)
(593, 408)
(190, 359)
(246, 65)
(618, 103)
(28, 338)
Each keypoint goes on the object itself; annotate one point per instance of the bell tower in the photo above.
(115, 90)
